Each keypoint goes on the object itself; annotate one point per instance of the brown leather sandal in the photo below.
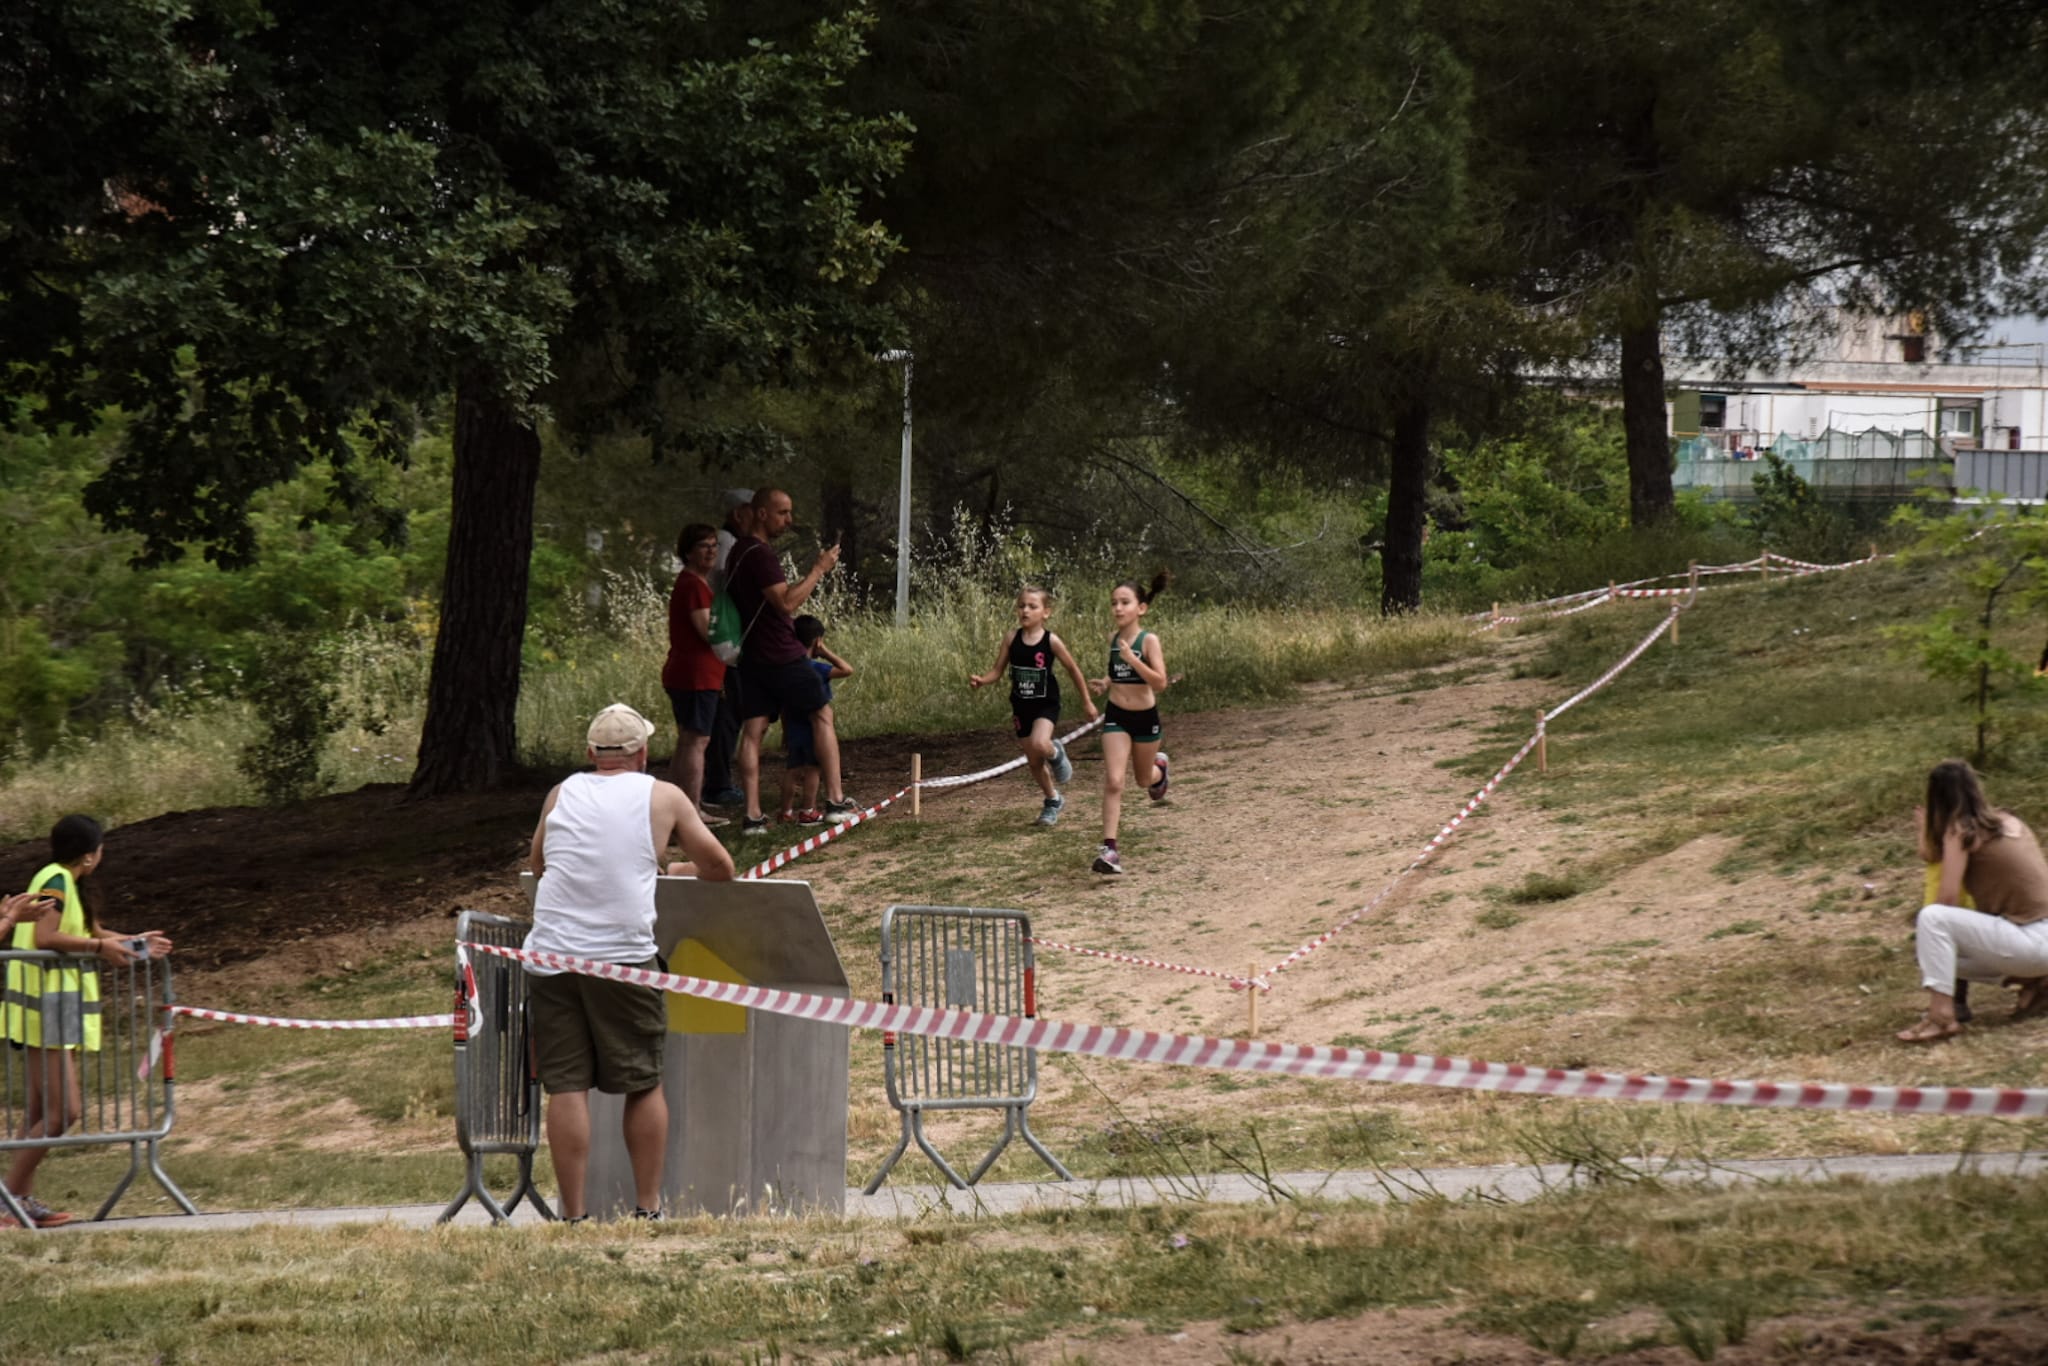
(1929, 1030)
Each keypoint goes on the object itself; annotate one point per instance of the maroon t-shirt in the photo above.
(750, 567)
(690, 667)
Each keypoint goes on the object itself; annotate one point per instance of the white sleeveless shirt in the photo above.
(596, 897)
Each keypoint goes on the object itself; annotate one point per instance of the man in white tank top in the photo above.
(601, 842)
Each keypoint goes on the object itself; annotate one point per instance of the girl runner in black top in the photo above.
(1130, 737)
(1029, 652)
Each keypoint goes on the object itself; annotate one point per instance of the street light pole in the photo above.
(903, 496)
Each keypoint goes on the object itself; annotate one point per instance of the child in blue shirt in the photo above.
(799, 751)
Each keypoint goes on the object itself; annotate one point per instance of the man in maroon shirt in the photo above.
(775, 675)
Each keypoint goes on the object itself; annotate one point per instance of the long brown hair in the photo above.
(1956, 801)
(1145, 592)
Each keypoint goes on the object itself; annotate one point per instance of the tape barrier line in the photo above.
(285, 1022)
(1429, 850)
(819, 840)
(1301, 1060)
(1478, 799)
(1238, 981)
(825, 837)
(1822, 568)
(1637, 588)
(1009, 766)
(1619, 665)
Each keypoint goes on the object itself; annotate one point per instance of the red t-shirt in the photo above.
(690, 667)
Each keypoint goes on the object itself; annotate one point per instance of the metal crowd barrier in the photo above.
(125, 1084)
(972, 959)
(497, 1090)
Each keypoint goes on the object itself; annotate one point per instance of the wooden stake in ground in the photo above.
(917, 787)
(1542, 742)
(1251, 993)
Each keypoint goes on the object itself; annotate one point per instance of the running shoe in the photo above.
(44, 1216)
(651, 1216)
(1049, 814)
(810, 815)
(725, 796)
(1106, 861)
(712, 822)
(754, 825)
(1062, 766)
(841, 810)
(1157, 791)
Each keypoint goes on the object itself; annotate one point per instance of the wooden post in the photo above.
(1764, 566)
(1251, 992)
(1496, 611)
(1542, 743)
(917, 787)
(1610, 590)
(1873, 550)
(1692, 575)
(1674, 633)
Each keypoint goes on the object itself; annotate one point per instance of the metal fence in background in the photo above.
(111, 1055)
(497, 1090)
(966, 958)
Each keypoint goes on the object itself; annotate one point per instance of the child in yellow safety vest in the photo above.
(53, 1012)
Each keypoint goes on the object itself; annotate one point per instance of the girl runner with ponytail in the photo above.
(1130, 737)
(1028, 653)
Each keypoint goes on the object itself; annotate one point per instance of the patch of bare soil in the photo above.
(1991, 1334)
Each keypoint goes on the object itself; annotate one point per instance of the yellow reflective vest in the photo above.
(53, 1007)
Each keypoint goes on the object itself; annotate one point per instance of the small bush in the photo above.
(297, 708)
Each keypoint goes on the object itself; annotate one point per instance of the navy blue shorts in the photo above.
(786, 689)
(696, 711)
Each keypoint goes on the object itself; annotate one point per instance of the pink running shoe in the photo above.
(1157, 791)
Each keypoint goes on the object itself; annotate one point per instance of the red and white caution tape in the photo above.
(1009, 766)
(1619, 665)
(285, 1022)
(1237, 980)
(1299, 1060)
(1811, 568)
(1604, 597)
(825, 837)
(1451, 827)
(1436, 842)
(819, 840)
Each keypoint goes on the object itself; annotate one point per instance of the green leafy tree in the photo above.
(1722, 171)
(1995, 558)
(268, 231)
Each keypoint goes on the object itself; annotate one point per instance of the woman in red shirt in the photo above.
(693, 676)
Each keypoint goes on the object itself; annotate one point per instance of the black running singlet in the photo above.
(1031, 676)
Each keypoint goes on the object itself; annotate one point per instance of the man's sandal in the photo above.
(1929, 1030)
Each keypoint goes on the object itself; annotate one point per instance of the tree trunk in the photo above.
(1643, 425)
(468, 742)
(1407, 510)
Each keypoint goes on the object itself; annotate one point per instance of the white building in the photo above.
(1874, 418)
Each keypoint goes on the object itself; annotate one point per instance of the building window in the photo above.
(1959, 419)
(1713, 412)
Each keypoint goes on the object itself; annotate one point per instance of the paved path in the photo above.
(1502, 1183)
